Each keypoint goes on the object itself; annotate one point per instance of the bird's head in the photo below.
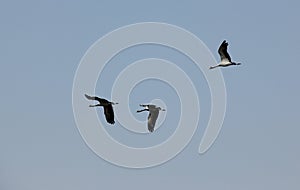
(114, 103)
(161, 109)
(238, 63)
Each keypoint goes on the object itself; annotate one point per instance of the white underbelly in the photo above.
(224, 63)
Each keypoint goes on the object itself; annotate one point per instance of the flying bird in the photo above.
(153, 115)
(225, 57)
(107, 105)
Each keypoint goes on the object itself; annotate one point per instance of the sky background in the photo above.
(42, 43)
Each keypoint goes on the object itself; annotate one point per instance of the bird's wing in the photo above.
(100, 100)
(109, 114)
(223, 51)
(152, 117)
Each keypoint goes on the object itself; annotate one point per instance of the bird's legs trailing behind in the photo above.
(212, 67)
(142, 110)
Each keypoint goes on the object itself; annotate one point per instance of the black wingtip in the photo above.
(112, 122)
(151, 130)
(225, 42)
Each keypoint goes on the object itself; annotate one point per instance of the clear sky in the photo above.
(42, 43)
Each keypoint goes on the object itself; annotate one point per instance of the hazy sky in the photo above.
(42, 43)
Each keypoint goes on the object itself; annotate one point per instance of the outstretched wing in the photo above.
(100, 100)
(109, 114)
(152, 117)
(223, 51)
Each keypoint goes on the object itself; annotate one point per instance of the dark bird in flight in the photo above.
(153, 115)
(225, 57)
(107, 105)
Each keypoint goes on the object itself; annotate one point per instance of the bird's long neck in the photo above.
(108, 103)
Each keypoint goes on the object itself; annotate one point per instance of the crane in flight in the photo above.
(153, 114)
(107, 105)
(225, 57)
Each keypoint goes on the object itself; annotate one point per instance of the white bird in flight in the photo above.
(225, 57)
(153, 115)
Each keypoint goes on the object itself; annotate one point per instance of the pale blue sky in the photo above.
(42, 43)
